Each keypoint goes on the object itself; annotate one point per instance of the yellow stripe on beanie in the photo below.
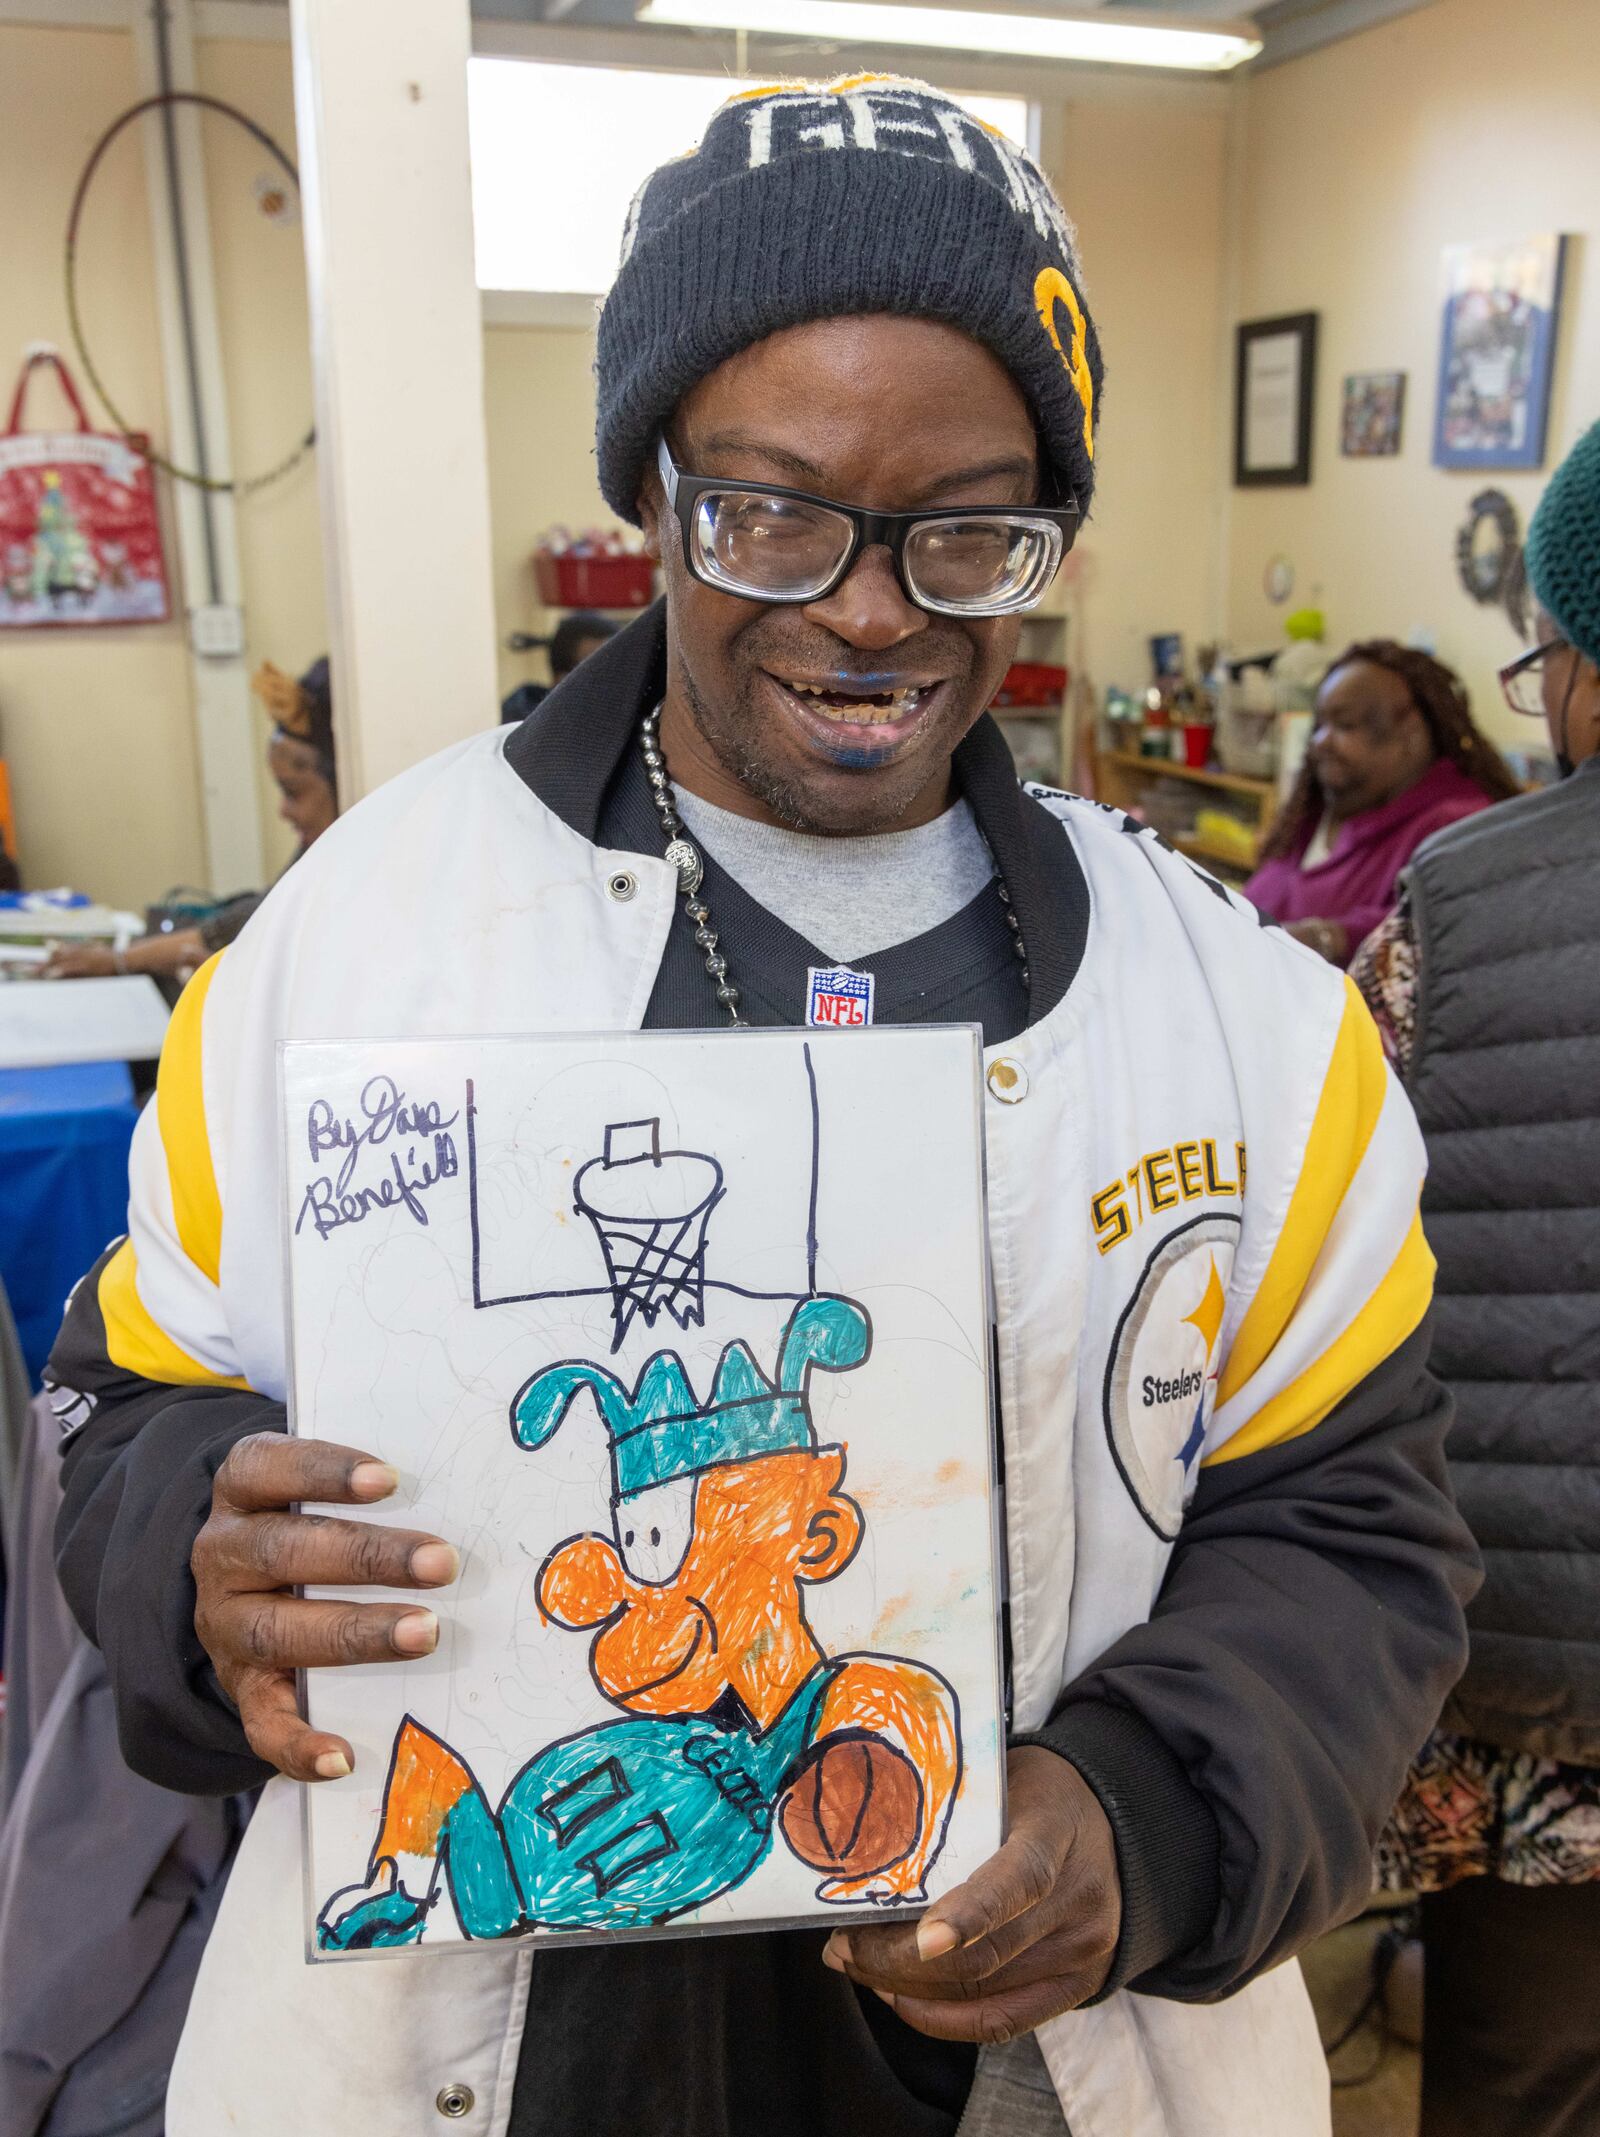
(1051, 288)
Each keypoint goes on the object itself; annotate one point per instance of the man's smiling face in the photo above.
(840, 716)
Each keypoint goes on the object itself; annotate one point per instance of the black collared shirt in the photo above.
(964, 971)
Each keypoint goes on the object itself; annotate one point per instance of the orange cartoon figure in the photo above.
(736, 1724)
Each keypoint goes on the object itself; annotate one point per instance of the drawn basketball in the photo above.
(855, 1809)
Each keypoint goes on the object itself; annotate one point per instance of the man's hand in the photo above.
(1029, 1935)
(253, 1549)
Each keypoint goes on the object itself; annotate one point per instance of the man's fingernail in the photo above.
(836, 1951)
(332, 1765)
(417, 1633)
(934, 1939)
(373, 1480)
(434, 1563)
(887, 1996)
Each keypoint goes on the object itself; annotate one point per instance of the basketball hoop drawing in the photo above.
(649, 1208)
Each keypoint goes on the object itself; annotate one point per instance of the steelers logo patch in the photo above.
(1161, 1374)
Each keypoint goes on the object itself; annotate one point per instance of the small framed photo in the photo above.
(1374, 404)
(1273, 393)
(1502, 310)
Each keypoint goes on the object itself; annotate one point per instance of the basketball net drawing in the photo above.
(649, 1208)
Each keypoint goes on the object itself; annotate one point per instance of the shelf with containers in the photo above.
(604, 573)
(1218, 818)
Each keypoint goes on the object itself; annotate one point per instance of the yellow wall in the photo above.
(539, 405)
(266, 351)
(1145, 186)
(1466, 120)
(96, 724)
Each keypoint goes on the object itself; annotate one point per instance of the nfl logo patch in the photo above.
(839, 996)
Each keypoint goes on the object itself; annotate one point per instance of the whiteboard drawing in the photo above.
(659, 1719)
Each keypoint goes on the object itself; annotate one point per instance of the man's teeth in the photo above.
(862, 711)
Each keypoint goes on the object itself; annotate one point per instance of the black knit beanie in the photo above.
(809, 201)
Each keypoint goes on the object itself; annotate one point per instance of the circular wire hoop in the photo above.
(236, 486)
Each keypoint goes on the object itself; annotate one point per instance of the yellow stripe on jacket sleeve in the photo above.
(1353, 1092)
(135, 1341)
(1393, 1312)
(185, 1137)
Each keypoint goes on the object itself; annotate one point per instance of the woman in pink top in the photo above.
(1394, 757)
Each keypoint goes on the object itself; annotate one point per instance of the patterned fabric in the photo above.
(1473, 1810)
(1470, 1809)
(1385, 970)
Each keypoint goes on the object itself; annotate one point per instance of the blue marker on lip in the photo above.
(872, 685)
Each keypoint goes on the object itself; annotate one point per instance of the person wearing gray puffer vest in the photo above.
(1486, 983)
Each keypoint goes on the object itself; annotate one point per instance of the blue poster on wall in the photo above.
(1502, 308)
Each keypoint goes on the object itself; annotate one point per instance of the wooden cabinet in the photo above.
(1174, 796)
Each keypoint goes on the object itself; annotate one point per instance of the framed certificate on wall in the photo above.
(1274, 383)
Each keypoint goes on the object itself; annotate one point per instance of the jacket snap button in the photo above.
(622, 886)
(455, 2101)
(1008, 1081)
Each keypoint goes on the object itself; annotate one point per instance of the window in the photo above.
(558, 152)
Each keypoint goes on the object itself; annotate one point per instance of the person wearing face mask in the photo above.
(300, 760)
(1486, 985)
(1394, 757)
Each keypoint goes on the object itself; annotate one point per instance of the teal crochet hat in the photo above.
(1563, 555)
(660, 1431)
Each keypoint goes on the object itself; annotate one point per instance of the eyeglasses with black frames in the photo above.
(1523, 680)
(766, 543)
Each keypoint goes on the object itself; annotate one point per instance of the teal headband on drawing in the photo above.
(660, 1431)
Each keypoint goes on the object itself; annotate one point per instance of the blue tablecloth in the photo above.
(64, 1135)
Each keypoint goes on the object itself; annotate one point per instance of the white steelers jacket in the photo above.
(1227, 1535)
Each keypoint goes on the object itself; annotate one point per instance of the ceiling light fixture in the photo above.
(1109, 38)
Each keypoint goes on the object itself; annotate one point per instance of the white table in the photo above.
(47, 1022)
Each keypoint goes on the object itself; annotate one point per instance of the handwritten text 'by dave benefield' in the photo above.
(413, 1145)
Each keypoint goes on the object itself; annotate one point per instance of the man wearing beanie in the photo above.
(850, 386)
(1487, 982)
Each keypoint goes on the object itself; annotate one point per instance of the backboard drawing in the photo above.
(647, 1209)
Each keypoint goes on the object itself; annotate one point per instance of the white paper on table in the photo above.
(49, 1023)
(458, 1224)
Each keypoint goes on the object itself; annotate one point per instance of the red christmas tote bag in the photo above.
(80, 542)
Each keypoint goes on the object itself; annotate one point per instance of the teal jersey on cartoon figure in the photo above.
(625, 1825)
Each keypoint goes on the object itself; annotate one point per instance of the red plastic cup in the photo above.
(1196, 745)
